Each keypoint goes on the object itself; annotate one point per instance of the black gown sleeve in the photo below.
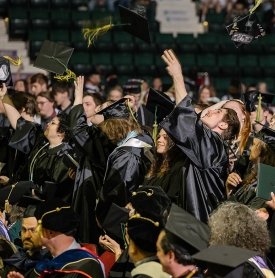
(201, 145)
(25, 136)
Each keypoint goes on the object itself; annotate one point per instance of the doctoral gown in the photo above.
(205, 172)
(48, 168)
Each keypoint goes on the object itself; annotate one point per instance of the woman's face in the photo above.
(51, 129)
(205, 95)
(162, 142)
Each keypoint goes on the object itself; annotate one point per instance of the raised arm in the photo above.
(11, 112)
(175, 71)
(78, 91)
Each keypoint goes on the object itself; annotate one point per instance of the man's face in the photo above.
(45, 107)
(89, 106)
(214, 117)
(37, 88)
(163, 258)
(28, 233)
(60, 97)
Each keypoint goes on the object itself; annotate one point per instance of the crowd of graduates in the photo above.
(135, 183)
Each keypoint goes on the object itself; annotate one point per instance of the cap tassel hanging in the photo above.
(257, 4)
(15, 61)
(131, 111)
(7, 203)
(155, 127)
(259, 108)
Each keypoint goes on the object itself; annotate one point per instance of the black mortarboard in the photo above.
(159, 103)
(267, 135)
(12, 194)
(54, 57)
(245, 29)
(265, 181)
(152, 202)
(56, 215)
(144, 231)
(132, 86)
(135, 22)
(30, 203)
(116, 110)
(185, 230)
(221, 260)
(5, 72)
(115, 220)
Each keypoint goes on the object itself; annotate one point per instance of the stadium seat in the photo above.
(186, 43)
(165, 41)
(123, 63)
(123, 41)
(18, 22)
(144, 63)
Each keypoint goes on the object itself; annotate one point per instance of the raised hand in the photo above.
(172, 62)
(3, 91)
(78, 91)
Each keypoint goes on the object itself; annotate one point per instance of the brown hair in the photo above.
(233, 129)
(96, 97)
(48, 95)
(211, 89)
(39, 78)
(116, 129)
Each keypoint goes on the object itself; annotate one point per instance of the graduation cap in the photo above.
(12, 194)
(117, 109)
(245, 29)
(159, 103)
(30, 204)
(133, 22)
(5, 72)
(222, 260)
(144, 231)
(56, 215)
(185, 230)
(152, 202)
(115, 221)
(267, 135)
(132, 86)
(54, 57)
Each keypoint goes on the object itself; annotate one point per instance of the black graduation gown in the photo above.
(171, 182)
(207, 160)
(94, 149)
(48, 168)
(126, 168)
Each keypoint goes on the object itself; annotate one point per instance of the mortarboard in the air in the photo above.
(115, 221)
(54, 57)
(133, 22)
(245, 29)
(5, 72)
(159, 103)
(221, 260)
(266, 181)
(185, 230)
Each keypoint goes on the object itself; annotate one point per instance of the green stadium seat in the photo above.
(123, 41)
(104, 43)
(228, 65)
(207, 63)
(165, 41)
(18, 22)
(143, 46)
(80, 57)
(3, 8)
(267, 63)
(60, 35)
(80, 18)
(61, 17)
(144, 63)
(60, 3)
(188, 61)
(208, 42)
(40, 3)
(186, 43)
(249, 65)
(221, 85)
(78, 41)
(123, 63)
(102, 61)
(40, 18)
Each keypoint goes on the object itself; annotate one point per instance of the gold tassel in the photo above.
(131, 111)
(155, 127)
(66, 76)
(259, 108)
(7, 203)
(16, 62)
(91, 34)
(257, 4)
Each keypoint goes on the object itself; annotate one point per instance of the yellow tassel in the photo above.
(257, 4)
(91, 34)
(155, 127)
(16, 62)
(259, 108)
(66, 77)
